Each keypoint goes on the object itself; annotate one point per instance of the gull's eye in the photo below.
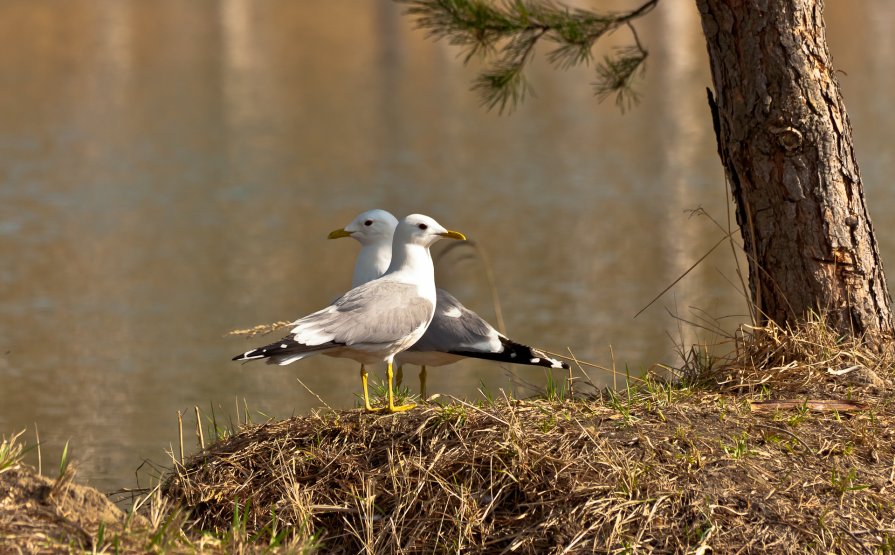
(423, 227)
(368, 223)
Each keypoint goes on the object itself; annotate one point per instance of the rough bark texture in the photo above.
(786, 144)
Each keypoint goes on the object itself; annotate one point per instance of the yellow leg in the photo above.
(399, 375)
(423, 382)
(363, 378)
(391, 398)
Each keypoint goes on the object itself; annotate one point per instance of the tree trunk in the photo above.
(786, 144)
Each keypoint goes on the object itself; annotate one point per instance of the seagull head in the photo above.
(369, 228)
(418, 229)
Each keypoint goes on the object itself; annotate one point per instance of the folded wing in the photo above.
(371, 317)
(459, 331)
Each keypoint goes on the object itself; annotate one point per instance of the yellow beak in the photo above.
(453, 235)
(338, 234)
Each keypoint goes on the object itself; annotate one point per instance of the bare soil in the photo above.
(43, 515)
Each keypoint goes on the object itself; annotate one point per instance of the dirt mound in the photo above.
(660, 468)
(40, 515)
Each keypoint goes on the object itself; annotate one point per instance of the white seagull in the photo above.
(376, 320)
(455, 332)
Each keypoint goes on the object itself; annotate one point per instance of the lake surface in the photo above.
(169, 171)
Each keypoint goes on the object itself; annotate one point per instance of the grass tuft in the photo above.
(811, 358)
(11, 451)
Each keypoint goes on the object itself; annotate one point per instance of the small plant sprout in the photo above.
(738, 448)
(11, 451)
(847, 481)
(64, 461)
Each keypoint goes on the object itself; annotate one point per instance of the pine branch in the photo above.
(502, 86)
(506, 32)
(615, 75)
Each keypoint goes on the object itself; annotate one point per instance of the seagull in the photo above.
(455, 331)
(377, 320)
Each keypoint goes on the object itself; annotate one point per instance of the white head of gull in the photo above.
(374, 230)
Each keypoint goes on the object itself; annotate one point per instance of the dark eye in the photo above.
(423, 227)
(368, 222)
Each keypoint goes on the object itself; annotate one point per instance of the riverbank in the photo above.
(786, 446)
(668, 470)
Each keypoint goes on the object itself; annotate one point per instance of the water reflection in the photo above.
(171, 171)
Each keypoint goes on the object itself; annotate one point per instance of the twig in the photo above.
(180, 433)
(571, 382)
(682, 276)
(637, 12)
(39, 458)
(790, 434)
(597, 366)
(322, 402)
(489, 274)
(477, 409)
(260, 329)
(854, 537)
(199, 429)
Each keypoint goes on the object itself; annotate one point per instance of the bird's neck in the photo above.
(413, 264)
(372, 262)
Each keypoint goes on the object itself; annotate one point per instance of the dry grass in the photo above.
(538, 476)
(666, 468)
(787, 445)
(810, 359)
(39, 514)
(44, 515)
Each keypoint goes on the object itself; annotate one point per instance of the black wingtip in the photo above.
(516, 353)
(249, 355)
(285, 346)
(535, 357)
(548, 362)
(272, 349)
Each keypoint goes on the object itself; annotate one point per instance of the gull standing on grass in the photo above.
(455, 332)
(376, 320)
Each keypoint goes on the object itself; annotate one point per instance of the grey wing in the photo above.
(456, 328)
(459, 331)
(377, 312)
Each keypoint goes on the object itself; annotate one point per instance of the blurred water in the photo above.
(169, 171)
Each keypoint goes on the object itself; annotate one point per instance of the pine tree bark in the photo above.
(786, 145)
